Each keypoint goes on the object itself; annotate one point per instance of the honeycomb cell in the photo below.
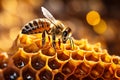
(10, 74)
(108, 73)
(38, 62)
(97, 47)
(3, 60)
(116, 60)
(77, 56)
(68, 68)
(99, 79)
(68, 47)
(97, 50)
(48, 51)
(26, 39)
(59, 76)
(82, 70)
(38, 43)
(106, 58)
(45, 75)
(84, 45)
(115, 78)
(72, 77)
(97, 70)
(28, 74)
(53, 63)
(20, 61)
(3, 64)
(32, 48)
(87, 78)
(62, 56)
(91, 57)
(118, 73)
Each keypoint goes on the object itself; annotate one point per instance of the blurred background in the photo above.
(95, 20)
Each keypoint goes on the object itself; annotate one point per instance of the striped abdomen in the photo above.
(36, 26)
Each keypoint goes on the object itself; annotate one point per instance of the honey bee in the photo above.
(48, 25)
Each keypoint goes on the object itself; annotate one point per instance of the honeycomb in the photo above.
(29, 60)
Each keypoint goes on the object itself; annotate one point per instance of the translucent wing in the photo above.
(47, 14)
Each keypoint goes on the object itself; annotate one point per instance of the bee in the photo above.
(48, 25)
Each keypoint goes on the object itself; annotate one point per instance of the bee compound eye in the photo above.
(65, 33)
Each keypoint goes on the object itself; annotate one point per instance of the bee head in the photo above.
(66, 34)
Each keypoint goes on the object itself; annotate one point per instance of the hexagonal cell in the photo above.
(38, 62)
(91, 56)
(25, 39)
(3, 60)
(117, 73)
(10, 74)
(82, 70)
(32, 48)
(77, 42)
(38, 43)
(28, 74)
(106, 58)
(77, 56)
(45, 75)
(68, 46)
(97, 70)
(62, 56)
(116, 60)
(53, 63)
(97, 47)
(48, 51)
(20, 61)
(72, 77)
(59, 76)
(3, 64)
(68, 68)
(115, 78)
(108, 73)
(99, 79)
(84, 45)
(87, 78)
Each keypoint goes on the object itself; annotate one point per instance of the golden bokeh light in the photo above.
(93, 18)
(101, 27)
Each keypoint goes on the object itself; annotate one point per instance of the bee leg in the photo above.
(71, 42)
(53, 41)
(59, 43)
(43, 38)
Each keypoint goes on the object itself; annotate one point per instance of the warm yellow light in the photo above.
(93, 18)
(10, 5)
(101, 27)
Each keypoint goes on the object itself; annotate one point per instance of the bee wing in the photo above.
(47, 14)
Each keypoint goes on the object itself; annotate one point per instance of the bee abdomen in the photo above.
(36, 26)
